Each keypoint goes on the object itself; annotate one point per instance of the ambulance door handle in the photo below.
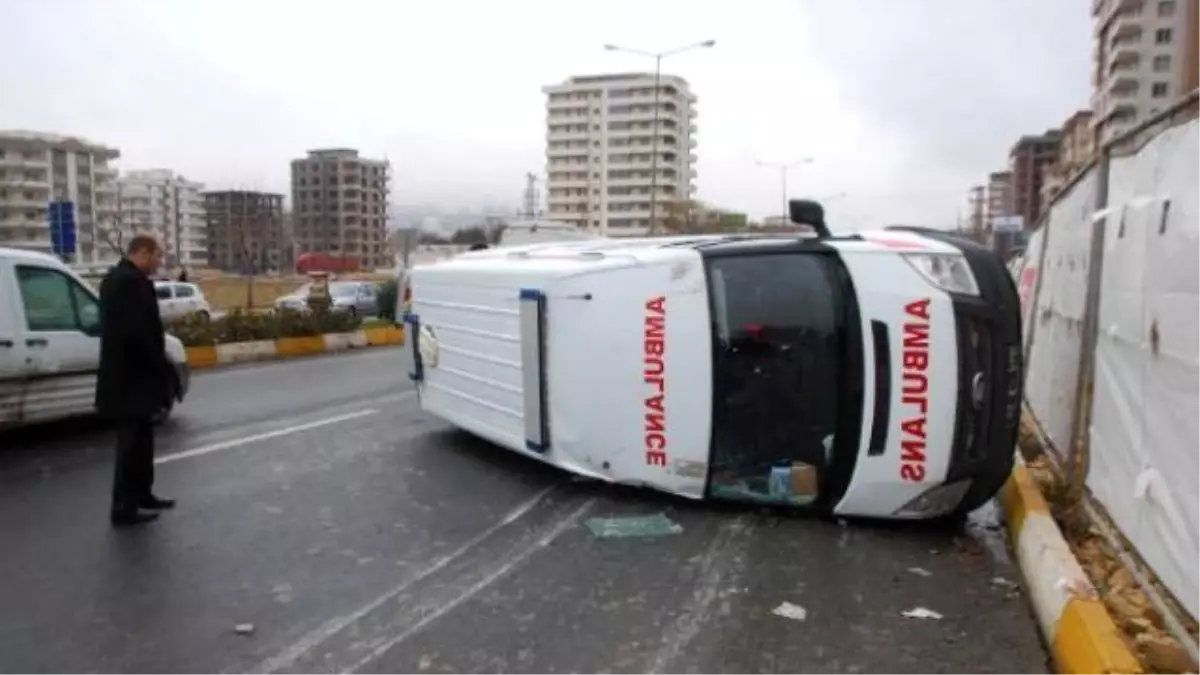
(37, 342)
(6, 343)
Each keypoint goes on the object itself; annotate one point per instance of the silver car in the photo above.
(358, 298)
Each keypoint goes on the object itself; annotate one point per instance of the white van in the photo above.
(50, 344)
(877, 374)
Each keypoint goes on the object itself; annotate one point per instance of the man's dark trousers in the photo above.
(133, 475)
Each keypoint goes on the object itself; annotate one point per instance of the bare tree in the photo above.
(112, 232)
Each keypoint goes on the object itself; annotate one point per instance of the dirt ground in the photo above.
(1143, 626)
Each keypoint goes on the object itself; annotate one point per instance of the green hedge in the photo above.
(239, 325)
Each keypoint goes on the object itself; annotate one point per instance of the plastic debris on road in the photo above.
(634, 526)
(922, 613)
(244, 628)
(789, 611)
(920, 571)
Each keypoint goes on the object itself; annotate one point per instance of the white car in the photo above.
(876, 374)
(50, 342)
(177, 299)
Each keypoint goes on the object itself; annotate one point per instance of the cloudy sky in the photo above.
(902, 104)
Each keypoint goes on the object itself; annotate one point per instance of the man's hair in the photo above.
(142, 242)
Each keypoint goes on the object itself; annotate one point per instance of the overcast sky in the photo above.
(902, 104)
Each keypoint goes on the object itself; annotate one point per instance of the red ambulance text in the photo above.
(915, 390)
(655, 374)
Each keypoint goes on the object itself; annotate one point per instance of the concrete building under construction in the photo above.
(245, 231)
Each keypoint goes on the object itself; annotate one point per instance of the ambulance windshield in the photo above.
(780, 351)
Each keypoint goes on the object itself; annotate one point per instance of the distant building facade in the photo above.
(340, 206)
(244, 231)
(159, 202)
(37, 168)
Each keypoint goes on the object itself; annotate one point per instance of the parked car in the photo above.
(50, 342)
(358, 298)
(178, 299)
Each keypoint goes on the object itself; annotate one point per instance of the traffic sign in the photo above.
(62, 227)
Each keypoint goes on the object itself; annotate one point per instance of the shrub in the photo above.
(385, 294)
(243, 326)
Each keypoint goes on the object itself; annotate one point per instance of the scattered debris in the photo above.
(243, 628)
(789, 611)
(425, 662)
(1006, 583)
(633, 526)
(921, 613)
(920, 571)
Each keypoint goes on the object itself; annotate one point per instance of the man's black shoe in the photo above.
(155, 504)
(131, 518)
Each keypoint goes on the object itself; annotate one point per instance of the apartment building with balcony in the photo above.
(999, 202)
(1029, 160)
(37, 168)
(167, 205)
(1144, 58)
(1075, 151)
(604, 167)
(244, 231)
(340, 206)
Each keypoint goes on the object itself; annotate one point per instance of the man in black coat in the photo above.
(134, 382)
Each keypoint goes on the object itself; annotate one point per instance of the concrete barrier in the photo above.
(283, 348)
(1081, 635)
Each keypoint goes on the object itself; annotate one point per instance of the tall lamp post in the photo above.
(783, 168)
(658, 57)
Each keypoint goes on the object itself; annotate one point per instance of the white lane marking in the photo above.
(233, 443)
(286, 659)
(383, 648)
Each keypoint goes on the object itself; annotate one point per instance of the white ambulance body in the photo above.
(875, 375)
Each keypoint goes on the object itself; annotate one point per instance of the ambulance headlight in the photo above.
(947, 271)
(934, 502)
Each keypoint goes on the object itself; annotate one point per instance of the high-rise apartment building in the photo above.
(37, 168)
(340, 206)
(999, 196)
(159, 202)
(244, 231)
(1144, 58)
(605, 165)
(1028, 161)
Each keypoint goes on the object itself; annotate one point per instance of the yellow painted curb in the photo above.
(384, 335)
(1087, 641)
(201, 357)
(1082, 636)
(1021, 497)
(300, 346)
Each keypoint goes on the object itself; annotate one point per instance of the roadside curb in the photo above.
(284, 348)
(1074, 622)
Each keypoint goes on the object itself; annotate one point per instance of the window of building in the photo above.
(1162, 36)
(1166, 8)
(1159, 89)
(1162, 63)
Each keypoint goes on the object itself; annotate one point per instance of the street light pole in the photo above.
(658, 57)
(783, 168)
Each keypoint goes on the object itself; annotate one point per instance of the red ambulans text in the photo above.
(654, 371)
(915, 390)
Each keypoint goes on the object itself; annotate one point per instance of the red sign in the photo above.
(654, 371)
(915, 390)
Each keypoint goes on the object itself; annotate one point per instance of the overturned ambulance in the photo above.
(877, 374)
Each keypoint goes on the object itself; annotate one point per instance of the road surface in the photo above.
(326, 525)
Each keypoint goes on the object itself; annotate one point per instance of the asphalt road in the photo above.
(347, 532)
